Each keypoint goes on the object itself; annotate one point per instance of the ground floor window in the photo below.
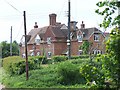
(97, 52)
(49, 54)
(38, 53)
(80, 52)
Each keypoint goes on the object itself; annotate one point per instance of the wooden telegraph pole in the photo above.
(26, 55)
(11, 42)
(69, 41)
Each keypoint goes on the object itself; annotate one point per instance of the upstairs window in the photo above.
(37, 40)
(79, 37)
(96, 37)
(71, 35)
(49, 40)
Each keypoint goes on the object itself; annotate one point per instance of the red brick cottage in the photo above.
(52, 39)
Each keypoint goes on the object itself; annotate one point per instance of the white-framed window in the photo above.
(38, 53)
(49, 55)
(79, 37)
(71, 35)
(96, 37)
(32, 54)
(37, 40)
(83, 34)
(97, 52)
(49, 40)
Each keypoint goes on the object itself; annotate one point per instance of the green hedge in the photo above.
(17, 65)
(59, 58)
(69, 74)
(38, 59)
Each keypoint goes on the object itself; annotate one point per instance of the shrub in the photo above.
(69, 74)
(75, 57)
(17, 65)
(38, 59)
(59, 58)
(79, 61)
(7, 63)
(84, 56)
(92, 73)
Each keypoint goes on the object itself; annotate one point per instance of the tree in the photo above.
(6, 48)
(109, 9)
(85, 47)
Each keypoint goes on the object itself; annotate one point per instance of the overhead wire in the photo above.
(12, 6)
(19, 31)
(59, 13)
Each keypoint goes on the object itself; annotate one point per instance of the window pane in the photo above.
(49, 40)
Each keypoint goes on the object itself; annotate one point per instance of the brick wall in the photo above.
(59, 48)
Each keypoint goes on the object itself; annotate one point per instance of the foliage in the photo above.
(59, 58)
(6, 48)
(113, 50)
(86, 46)
(40, 78)
(108, 10)
(46, 77)
(80, 57)
(16, 65)
(108, 66)
(92, 73)
(38, 59)
(69, 74)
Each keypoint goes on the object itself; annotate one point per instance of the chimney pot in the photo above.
(36, 26)
(82, 25)
(52, 19)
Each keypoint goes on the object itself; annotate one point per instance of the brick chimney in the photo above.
(73, 25)
(82, 25)
(52, 19)
(36, 26)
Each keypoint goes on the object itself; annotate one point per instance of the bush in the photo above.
(69, 74)
(7, 62)
(38, 59)
(17, 65)
(59, 58)
(75, 57)
(79, 61)
(84, 56)
(92, 73)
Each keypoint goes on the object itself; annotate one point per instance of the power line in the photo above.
(12, 6)
(19, 31)
(63, 6)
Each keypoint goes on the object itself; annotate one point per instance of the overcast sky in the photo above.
(11, 14)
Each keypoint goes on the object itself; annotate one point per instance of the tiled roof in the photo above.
(55, 29)
(34, 32)
(58, 32)
(89, 31)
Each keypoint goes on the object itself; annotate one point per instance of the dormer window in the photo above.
(71, 35)
(96, 37)
(37, 40)
(49, 40)
(83, 34)
(79, 37)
